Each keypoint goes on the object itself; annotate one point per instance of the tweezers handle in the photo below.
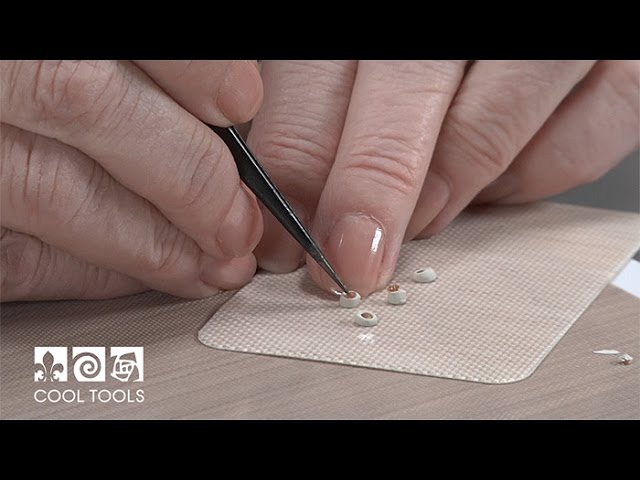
(258, 181)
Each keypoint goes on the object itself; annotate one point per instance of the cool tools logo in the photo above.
(88, 364)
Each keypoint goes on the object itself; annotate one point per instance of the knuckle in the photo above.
(435, 76)
(391, 162)
(94, 279)
(443, 75)
(526, 80)
(206, 167)
(573, 167)
(10, 77)
(94, 191)
(164, 257)
(489, 143)
(293, 152)
(327, 77)
(71, 90)
(23, 175)
(24, 262)
(323, 73)
(43, 182)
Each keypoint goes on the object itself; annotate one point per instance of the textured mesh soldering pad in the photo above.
(511, 281)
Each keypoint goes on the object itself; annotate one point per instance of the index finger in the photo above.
(392, 124)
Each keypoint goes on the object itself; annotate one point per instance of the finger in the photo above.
(296, 135)
(32, 270)
(394, 117)
(116, 115)
(593, 129)
(221, 92)
(499, 107)
(58, 194)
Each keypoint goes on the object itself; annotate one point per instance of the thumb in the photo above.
(221, 92)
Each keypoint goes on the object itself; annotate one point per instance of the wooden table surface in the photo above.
(184, 379)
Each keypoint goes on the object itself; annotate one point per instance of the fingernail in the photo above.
(501, 187)
(240, 92)
(355, 248)
(227, 274)
(240, 231)
(277, 251)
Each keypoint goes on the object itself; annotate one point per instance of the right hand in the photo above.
(111, 183)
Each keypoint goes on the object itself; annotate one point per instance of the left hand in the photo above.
(374, 153)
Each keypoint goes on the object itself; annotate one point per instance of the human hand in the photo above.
(374, 153)
(111, 185)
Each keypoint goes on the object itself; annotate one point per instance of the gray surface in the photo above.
(617, 190)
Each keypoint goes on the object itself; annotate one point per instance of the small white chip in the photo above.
(396, 295)
(424, 275)
(350, 299)
(365, 319)
(625, 359)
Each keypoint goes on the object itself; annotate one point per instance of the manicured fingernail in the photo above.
(240, 231)
(227, 274)
(355, 248)
(501, 187)
(240, 92)
(277, 251)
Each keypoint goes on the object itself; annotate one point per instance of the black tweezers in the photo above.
(258, 181)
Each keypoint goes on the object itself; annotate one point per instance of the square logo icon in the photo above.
(50, 364)
(128, 365)
(88, 364)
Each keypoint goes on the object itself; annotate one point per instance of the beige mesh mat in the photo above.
(511, 282)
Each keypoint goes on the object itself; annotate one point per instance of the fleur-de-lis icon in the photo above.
(48, 369)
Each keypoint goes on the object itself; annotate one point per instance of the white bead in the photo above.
(424, 275)
(625, 359)
(397, 297)
(350, 300)
(365, 319)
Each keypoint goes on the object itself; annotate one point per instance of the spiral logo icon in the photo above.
(88, 364)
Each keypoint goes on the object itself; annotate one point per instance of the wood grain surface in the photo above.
(184, 379)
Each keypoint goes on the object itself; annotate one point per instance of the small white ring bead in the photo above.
(424, 275)
(625, 359)
(365, 319)
(397, 297)
(350, 300)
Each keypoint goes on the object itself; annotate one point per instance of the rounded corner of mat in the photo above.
(514, 379)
